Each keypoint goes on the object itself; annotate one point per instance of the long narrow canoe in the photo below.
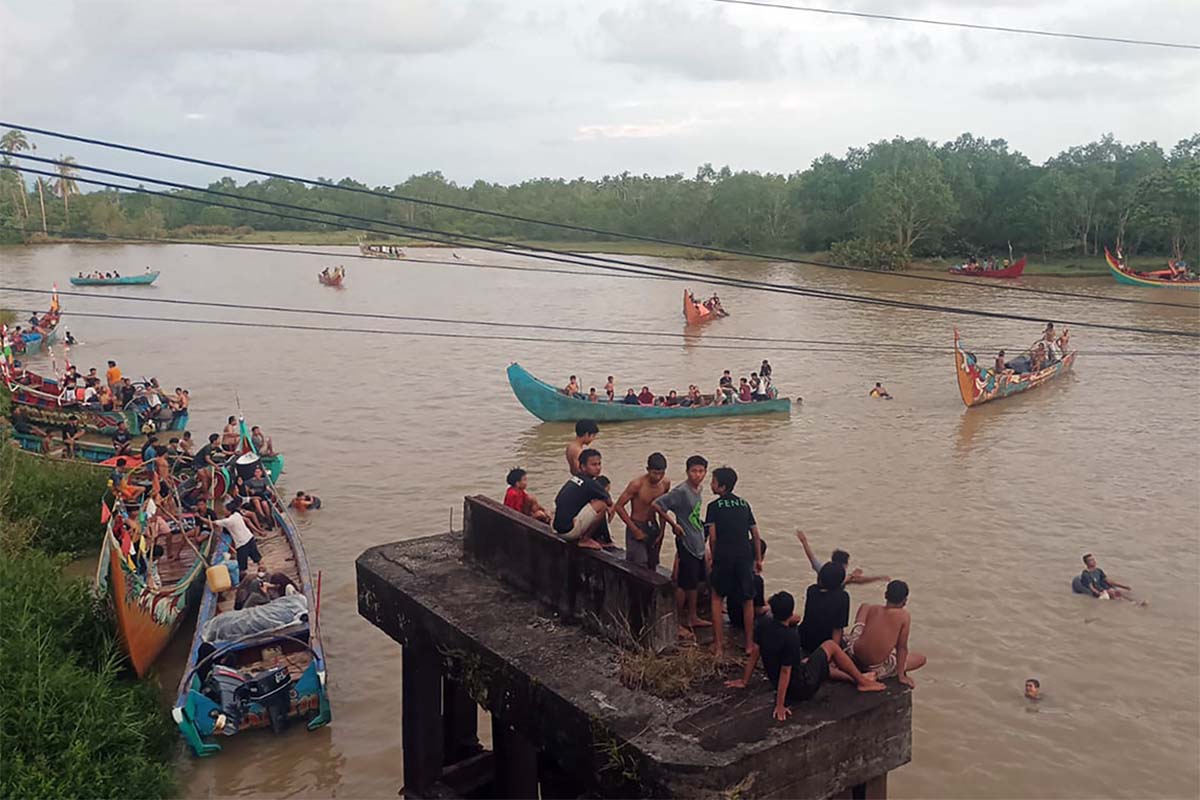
(40, 397)
(296, 647)
(1158, 278)
(550, 405)
(979, 384)
(1013, 270)
(148, 611)
(380, 250)
(145, 279)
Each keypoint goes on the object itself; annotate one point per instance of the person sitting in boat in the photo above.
(230, 435)
(34, 327)
(592, 396)
(744, 394)
(719, 396)
(1004, 264)
(122, 440)
(1038, 360)
(725, 385)
(631, 398)
(116, 274)
(694, 399)
(261, 442)
(1000, 366)
(572, 387)
(880, 392)
(672, 399)
(646, 397)
(715, 305)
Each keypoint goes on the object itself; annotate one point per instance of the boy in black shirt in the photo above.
(734, 554)
(581, 507)
(795, 677)
(733, 608)
(826, 608)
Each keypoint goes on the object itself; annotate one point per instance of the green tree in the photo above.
(66, 187)
(908, 201)
(15, 141)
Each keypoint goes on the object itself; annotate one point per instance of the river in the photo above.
(985, 512)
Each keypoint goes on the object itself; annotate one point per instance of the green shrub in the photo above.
(60, 500)
(870, 253)
(68, 726)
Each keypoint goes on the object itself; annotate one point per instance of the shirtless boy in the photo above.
(643, 533)
(586, 432)
(878, 641)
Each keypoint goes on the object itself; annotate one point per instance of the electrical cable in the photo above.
(591, 261)
(547, 223)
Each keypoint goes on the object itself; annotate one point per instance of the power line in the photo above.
(840, 350)
(968, 25)
(547, 223)
(597, 262)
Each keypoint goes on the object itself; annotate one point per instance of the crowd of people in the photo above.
(757, 387)
(1045, 352)
(719, 546)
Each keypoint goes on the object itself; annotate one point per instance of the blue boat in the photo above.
(242, 673)
(550, 405)
(145, 279)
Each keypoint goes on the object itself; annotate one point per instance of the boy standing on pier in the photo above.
(734, 554)
(643, 534)
(685, 501)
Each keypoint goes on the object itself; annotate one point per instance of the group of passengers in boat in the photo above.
(1045, 352)
(97, 275)
(721, 547)
(975, 265)
(331, 274)
(756, 388)
(713, 304)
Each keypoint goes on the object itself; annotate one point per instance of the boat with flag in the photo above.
(96, 279)
(1175, 276)
(551, 405)
(977, 270)
(979, 383)
(260, 665)
(152, 566)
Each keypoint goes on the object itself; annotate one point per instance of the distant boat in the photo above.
(32, 342)
(1159, 278)
(979, 384)
(145, 279)
(334, 278)
(550, 405)
(380, 250)
(1013, 270)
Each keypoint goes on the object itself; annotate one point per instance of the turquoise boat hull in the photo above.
(145, 279)
(550, 405)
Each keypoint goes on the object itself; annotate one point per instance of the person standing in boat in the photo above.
(1000, 366)
(610, 389)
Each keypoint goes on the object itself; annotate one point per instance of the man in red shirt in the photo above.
(520, 500)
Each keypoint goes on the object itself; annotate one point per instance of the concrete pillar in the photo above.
(460, 720)
(516, 763)
(874, 789)
(421, 734)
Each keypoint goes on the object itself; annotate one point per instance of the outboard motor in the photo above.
(272, 689)
(227, 688)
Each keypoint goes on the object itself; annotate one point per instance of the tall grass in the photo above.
(58, 500)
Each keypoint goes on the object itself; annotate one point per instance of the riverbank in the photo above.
(71, 723)
(1071, 266)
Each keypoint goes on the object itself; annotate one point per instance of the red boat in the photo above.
(1014, 270)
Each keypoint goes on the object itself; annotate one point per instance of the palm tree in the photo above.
(42, 200)
(15, 142)
(66, 185)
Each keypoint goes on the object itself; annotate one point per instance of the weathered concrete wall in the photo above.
(599, 589)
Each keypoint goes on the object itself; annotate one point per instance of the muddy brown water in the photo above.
(984, 512)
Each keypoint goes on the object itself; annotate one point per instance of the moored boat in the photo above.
(1161, 278)
(380, 250)
(42, 400)
(30, 342)
(145, 279)
(151, 591)
(979, 383)
(260, 666)
(1013, 270)
(550, 405)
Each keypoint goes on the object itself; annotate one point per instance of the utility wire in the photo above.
(610, 264)
(969, 25)
(548, 223)
(840, 350)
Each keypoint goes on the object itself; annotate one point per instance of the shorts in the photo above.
(884, 669)
(733, 580)
(584, 521)
(807, 677)
(691, 571)
(246, 553)
(643, 552)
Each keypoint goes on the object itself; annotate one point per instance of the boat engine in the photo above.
(272, 690)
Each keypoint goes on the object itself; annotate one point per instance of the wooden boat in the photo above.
(145, 279)
(1013, 270)
(32, 342)
(334, 278)
(148, 611)
(290, 654)
(40, 397)
(695, 312)
(1160, 278)
(380, 250)
(979, 384)
(550, 405)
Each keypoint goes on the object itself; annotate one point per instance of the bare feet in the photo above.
(871, 686)
(749, 649)
(686, 635)
(589, 544)
(696, 622)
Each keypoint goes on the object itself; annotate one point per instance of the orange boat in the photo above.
(150, 594)
(696, 312)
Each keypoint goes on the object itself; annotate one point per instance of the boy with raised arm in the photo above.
(795, 676)
(838, 557)
(734, 554)
(685, 501)
(643, 533)
(878, 641)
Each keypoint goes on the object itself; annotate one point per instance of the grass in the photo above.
(58, 501)
(671, 673)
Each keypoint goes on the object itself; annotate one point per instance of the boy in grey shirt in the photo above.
(686, 501)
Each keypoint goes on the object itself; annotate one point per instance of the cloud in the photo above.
(648, 130)
(689, 41)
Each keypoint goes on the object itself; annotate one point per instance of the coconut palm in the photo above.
(41, 184)
(15, 142)
(66, 185)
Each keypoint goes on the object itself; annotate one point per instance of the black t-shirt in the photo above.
(577, 492)
(726, 380)
(779, 646)
(733, 519)
(69, 430)
(1097, 577)
(824, 612)
(127, 393)
(201, 459)
(120, 438)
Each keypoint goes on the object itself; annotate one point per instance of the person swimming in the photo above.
(880, 392)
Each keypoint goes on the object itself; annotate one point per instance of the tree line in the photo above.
(879, 205)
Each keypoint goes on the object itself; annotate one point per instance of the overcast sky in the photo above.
(511, 89)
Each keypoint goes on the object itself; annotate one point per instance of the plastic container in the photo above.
(218, 578)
